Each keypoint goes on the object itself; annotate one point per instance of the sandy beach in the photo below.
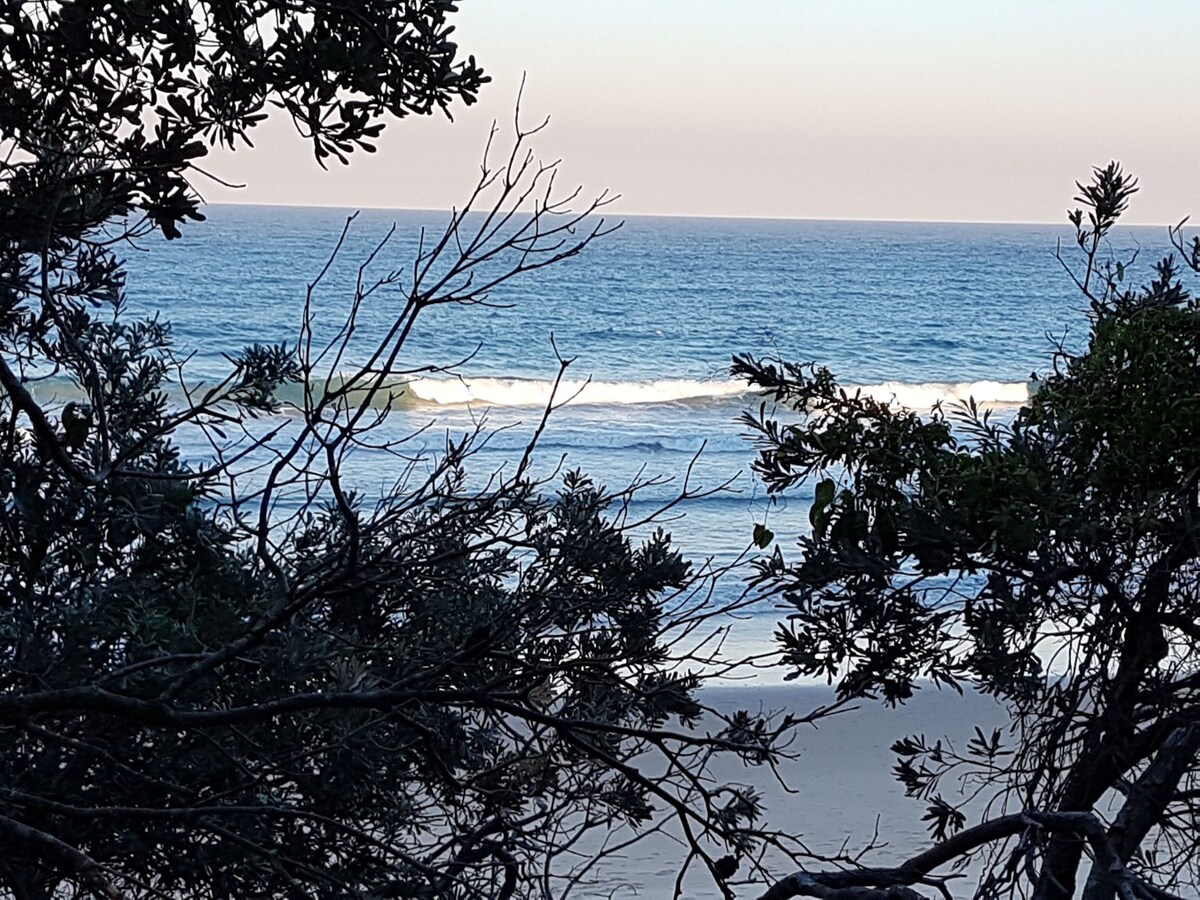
(842, 782)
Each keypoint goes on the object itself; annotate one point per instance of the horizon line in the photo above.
(661, 215)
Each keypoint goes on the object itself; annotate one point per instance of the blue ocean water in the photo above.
(661, 298)
(651, 314)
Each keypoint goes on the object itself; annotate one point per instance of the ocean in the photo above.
(651, 316)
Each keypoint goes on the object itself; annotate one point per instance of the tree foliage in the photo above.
(244, 677)
(1051, 557)
(106, 106)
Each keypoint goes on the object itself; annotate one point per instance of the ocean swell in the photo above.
(531, 392)
(503, 392)
(923, 396)
(534, 392)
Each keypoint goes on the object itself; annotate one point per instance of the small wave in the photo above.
(924, 396)
(616, 446)
(528, 392)
(534, 392)
(919, 396)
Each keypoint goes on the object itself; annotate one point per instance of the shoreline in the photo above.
(840, 790)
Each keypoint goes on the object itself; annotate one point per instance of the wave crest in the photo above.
(501, 392)
(925, 395)
(519, 392)
(533, 392)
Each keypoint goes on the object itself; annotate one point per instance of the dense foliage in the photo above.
(244, 677)
(1051, 557)
(106, 106)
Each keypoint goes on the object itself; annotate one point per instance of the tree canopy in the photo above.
(1051, 557)
(244, 676)
(105, 107)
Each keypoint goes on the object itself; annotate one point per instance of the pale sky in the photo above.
(862, 109)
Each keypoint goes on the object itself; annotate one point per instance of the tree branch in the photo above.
(894, 883)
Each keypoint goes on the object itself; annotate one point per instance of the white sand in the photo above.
(843, 782)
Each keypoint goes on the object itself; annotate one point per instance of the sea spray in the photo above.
(503, 392)
(399, 393)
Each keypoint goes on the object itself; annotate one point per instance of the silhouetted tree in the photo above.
(248, 678)
(1052, 559)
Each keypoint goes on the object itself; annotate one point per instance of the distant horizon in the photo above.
(744, 217)
(875, 111)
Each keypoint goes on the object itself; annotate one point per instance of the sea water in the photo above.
(650, 316)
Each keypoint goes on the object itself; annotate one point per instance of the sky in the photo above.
(944, 110)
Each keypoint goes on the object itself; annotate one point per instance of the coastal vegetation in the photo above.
(248, 677)
(1052, 560)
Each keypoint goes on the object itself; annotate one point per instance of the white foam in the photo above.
(923, 396)
(532, 392)
(500, 392)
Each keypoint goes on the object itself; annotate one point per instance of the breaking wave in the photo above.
(924, 396)
(533, 392)
(530, 392)
(502, 392)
